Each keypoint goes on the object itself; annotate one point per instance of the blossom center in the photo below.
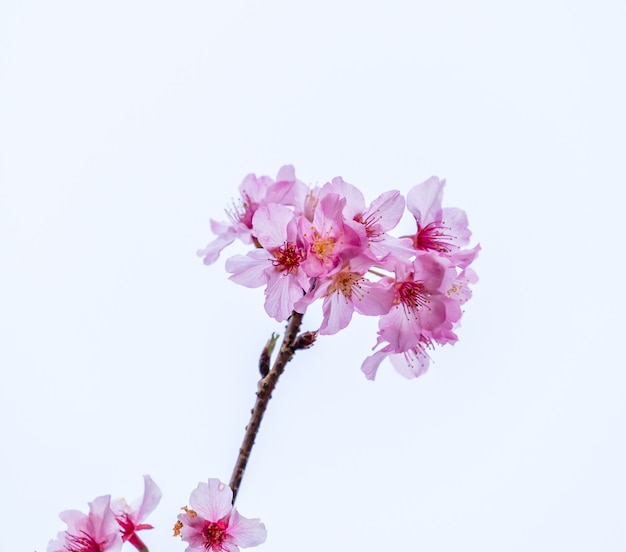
(287, 258)
(243, 211)
(323, 247)
(127, 525)
(348, 283)
(412, 295)
(434, 236)
(84, 543)
(370, 222)
(214, 534)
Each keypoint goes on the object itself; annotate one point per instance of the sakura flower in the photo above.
(346, 291)
(130, 517)
(254, 191)
(328, 240)
(278, 264)
(97, 531)
(453, 299)
(213, 525)
(418, 300)
(438, 229)
(377, 220)
(427, 306)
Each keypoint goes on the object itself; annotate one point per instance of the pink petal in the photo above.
(400, 329)
(376, 300)
(253, 188)
(456, 220)
(281, 295)
(102, 518)
(270, 224)
(424, 200)
(464, 257)
(249, 270)
(286, 173)
(389, 208)
(76, 521)
(212, 500)
(338, 312)
(246, 532)
(411, 364)
(150, 500)
(371, 363)
(355, 202)
(212, 251)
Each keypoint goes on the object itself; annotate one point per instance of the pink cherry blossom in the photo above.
(427, 307)
(438, 229)
(278, 264)
(346, 291)
(254, 191)
(213, 525)
(131, 517)
(377, 220)
(97, 531)
(328, 239)
(418, 303)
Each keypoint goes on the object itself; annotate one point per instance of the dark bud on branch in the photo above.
(266, 355)
(305, 340)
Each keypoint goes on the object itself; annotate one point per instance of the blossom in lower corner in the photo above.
(97, 531)
(130, 517)
(211, 524)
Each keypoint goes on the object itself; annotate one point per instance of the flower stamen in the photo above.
(434, 236)
(287, 258)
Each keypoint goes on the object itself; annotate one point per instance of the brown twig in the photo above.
(266, 386)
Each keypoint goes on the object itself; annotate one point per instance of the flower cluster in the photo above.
(325, 243)
(108, 524)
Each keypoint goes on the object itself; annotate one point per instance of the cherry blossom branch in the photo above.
(267, 383)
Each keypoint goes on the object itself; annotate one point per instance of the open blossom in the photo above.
(211, 524)
(348, 290)
(254, 192)
(278, 264)
(97, 531)
(418, 302)
(130, 517)
(439, 229)
(328, 239)
(427, 308)
(382, 215)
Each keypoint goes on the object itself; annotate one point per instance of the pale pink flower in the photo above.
(427, 307)
(418, 301)
(211, 524)
(278, 264)
(348, 290)
(453, 299)
(254, 191)
(131, 517)
(329, 241)
(438, 229)
(97, 531)
(382, 215)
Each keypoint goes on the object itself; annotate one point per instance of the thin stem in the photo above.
(138, 543)
(263, 395)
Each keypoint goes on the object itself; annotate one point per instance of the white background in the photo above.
(125, 126)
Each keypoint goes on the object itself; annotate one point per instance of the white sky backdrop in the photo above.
(125, 126)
